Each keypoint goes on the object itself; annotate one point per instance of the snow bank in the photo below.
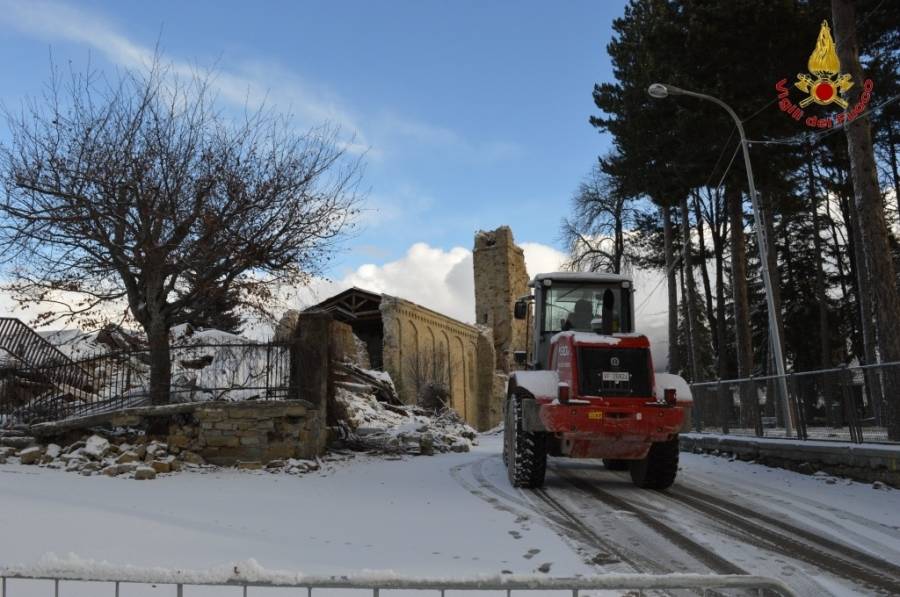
(73, 567)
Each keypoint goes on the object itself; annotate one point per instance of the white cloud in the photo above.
(436, 278)
(248, 83)
(443, 280)
(542, 258)
(391, 125)
(244, 82)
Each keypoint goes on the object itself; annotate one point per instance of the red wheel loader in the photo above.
(588, 389)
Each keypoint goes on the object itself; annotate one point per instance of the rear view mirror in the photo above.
(521, 310)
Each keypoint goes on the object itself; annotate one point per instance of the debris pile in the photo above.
(371, 418)
(129, 455)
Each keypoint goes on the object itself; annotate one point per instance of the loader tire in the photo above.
(659, 468)
(615, 464)
(526, 452)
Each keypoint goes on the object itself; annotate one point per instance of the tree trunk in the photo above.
(691, 297)
(873, 228)
(892, 143)
(704, 272)
(721, 332)
(739, 274)
(619, 241)
(160, 360)
(668, 236)
(821, 297)
(718, 237)
(741, 302)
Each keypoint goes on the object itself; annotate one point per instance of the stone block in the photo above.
(192, 457)
(127, 457)
(249, 464)
(178, 441)
(31, 455)
(219, 441)
(241, 413)
(125, 421)
(144, 473)
(161, 466)
(279, 452)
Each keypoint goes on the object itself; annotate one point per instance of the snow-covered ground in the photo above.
(447, 515)
(410, 516)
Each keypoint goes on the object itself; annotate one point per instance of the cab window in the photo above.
(574, 307)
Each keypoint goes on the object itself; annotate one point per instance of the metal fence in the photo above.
(638, 584)
(841, 404)
(112, 381)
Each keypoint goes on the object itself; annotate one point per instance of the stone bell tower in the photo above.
(500, 279)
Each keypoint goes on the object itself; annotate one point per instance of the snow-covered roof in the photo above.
(587, 277)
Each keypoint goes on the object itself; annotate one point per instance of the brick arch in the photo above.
(472, 390)
(461, 400)
(444, 346)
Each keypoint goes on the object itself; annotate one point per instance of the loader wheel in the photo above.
(526, 452)
(615, 464)
(658, 469)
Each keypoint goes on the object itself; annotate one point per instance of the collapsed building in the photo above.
(428, 352)
(235, 400)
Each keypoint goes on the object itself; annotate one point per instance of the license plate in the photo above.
(595, 414)
(616, 376)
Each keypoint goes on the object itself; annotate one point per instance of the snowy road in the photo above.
(456, 515)
(821, 536)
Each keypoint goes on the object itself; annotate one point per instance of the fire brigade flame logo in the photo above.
(827, 84)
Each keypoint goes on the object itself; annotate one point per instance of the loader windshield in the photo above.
(575, 306)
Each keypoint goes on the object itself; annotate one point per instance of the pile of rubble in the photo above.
(372, 419)
(129, 456)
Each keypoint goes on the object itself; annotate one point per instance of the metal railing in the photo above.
(507, 585)
(112, 381)
(841, 404)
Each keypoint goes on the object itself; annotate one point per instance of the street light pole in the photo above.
(660, 91)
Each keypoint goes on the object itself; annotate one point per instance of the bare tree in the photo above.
(429, 373)
(595, 234)
(119, 191)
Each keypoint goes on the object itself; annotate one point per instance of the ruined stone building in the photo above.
(500, 279)
(418, 346)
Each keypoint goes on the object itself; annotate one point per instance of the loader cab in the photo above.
(580, 302)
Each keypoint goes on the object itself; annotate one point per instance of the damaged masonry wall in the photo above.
(500, 279)
(422, 345)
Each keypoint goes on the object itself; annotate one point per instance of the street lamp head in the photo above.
(658, 91)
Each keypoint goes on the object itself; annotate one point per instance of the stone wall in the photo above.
(422, 345)
(250, 431)
(500, 279)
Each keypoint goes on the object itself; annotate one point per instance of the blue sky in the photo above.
(475, 114)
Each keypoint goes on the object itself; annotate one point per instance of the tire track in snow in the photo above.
(589, 536)
(695, 550)
(793, 505)
(794, 542)
(578, 536)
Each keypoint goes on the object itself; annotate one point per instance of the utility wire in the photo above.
(658, 284)
(724, 174)
(804, 138)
